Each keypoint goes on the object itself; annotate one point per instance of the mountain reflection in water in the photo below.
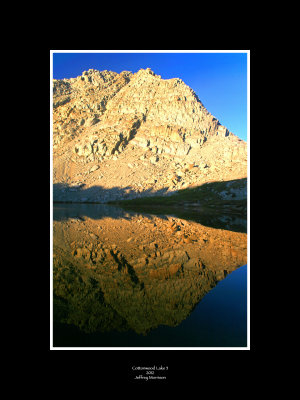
(120, 271)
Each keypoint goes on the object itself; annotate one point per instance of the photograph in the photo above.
(149, 202)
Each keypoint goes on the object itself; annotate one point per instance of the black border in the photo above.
(114, 366)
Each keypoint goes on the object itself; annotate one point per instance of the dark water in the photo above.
(190, 292)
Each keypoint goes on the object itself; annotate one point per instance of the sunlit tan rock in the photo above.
(108, 122)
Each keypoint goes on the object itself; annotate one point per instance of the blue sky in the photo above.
(219, 79)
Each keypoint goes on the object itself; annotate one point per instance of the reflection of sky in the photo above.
(225, 308)
(220, 318)
(219, 79)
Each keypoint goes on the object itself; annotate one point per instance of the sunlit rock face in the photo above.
(136, 131)
(127, 271)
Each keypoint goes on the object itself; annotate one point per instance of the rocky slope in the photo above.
(118, 136)
(126, 271)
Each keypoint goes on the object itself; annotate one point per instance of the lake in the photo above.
(132, 279)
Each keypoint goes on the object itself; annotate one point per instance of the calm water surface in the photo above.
(125, 279)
